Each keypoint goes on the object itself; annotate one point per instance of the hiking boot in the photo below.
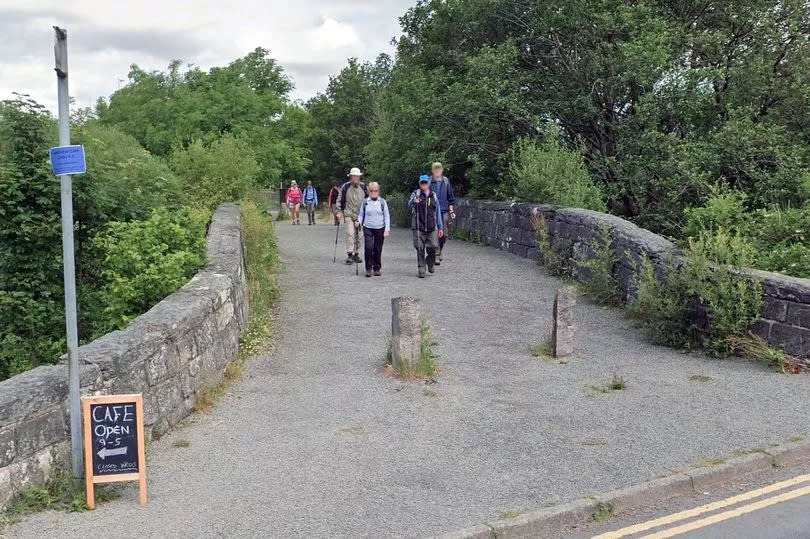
(438, 262)
(358, 259)
(349, 259)
(377, 273)
(368, 273)
(430, 269)
(421, 273)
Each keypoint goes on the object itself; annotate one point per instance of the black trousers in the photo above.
(373, 241)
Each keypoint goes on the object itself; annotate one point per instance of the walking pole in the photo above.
(356, 248)
(337, 233)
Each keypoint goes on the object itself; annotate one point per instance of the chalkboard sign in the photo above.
(113, 441)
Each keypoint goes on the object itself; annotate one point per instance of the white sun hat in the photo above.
(355, 172)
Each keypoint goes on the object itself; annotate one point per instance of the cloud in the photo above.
(311, 39)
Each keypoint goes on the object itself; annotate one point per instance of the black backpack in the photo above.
(343, 191)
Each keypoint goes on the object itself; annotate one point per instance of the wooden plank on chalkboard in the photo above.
(113, 442)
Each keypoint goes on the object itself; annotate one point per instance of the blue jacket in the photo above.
(444, 192)
(310, 195)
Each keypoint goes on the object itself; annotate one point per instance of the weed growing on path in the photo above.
(795, 439)
(603, 512)
(543, 350)
(62, 492)
(182, 444)
(617, 383)
(427, 367)
(514, 513)
(755, 348)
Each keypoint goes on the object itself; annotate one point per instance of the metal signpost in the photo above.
(74, 395)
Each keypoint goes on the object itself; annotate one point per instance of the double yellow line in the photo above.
(719, 517)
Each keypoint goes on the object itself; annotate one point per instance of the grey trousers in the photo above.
(426, 245)
(311, 212)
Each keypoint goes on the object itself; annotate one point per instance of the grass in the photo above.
(794, 439)
(617, 383)
(356, 431)
(543, 350)
(430, 393)
(182, 444)
(62, 492)
(701, 378)
(261, 260)
(603, 512)
(513, 513)
(705, 462)
(755, 348)
(427, 367)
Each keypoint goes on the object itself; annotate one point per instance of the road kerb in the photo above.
(704, 478)
(790, 454)
(551, 521)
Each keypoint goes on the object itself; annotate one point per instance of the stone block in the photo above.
(774, 309)
(788, 338)
(797, 314)
(406, 332)
(562, 337)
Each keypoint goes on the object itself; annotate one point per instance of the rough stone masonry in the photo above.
(168, 354)
(406, 333)
(785, 319)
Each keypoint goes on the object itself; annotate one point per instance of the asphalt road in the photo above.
(773, 506)
(316, 442)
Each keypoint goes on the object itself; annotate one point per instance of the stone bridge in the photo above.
(317, 441)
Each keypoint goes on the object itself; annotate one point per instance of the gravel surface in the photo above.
(316, 442)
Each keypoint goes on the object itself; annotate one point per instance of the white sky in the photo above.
(310, 38)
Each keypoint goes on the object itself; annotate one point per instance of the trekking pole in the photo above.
(337, 234)
(356, 249)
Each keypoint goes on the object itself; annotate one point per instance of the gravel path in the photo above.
(315, 442)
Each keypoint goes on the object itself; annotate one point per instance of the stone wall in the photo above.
(785, 321)
(168, 354)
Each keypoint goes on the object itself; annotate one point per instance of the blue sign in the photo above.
(68, 160)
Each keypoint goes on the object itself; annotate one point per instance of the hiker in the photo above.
(351, 196)
(375, 220)
(426, 223)
(294, 198)
(331, 200)
(440, 185)
(310, 201)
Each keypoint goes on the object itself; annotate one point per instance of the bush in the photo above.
(221, 171)
(144, 261)
(548, 173)
(595, 270)
(667, 308)
(783, 241)
(664, 307)
(724, 209)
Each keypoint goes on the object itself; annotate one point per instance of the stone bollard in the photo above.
(406, 333)
(562, 332)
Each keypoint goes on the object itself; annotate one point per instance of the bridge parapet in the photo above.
(169, 353)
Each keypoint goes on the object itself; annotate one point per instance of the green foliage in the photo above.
(144, 261)
(549, 173)
(782, 240)
(595, 270)
(755, 348)
(248, 98)
(224, 170)
(664, 307)
(708, 278)
(343, 118)
(553, 262)
(723, 210)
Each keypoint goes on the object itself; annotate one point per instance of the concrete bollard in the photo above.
(562, 332)
(406, 333)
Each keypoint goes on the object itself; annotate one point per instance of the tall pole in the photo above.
(74, 392)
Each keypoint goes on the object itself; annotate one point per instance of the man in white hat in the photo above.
(350, 199)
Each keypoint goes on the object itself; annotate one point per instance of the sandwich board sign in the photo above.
(68, 160)
(113, 442)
